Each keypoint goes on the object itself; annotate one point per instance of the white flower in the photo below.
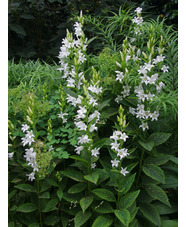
(115, 135)
(123, 136)
(81, 112)
(95, 152)
(66, 43)
(70, 82)
(81, 125)
(165, 68)
(31, 176)
(122, 153)
(140, 114)
(118, 64)
(25, 127)
(142, 70)
(118, 98)
(93, 165)
(115, 162)
(146, 114)
(160, 58)
(27, 140)
(145, 79)
(95, 89)
(119, 76)
(141, 96)
(132, 110)
(149, 96)
(148, 66)
(153, 78)
(140, 107)
(93, 101)
(50, 148)
(114, 145)
(83, 139)
(10, 155)
(78, 149)
(64, 53)
(138, 52)
(126, 91)
(92, 116)
(78, 29)
(81, 57)
(71, 99)
(138, 10)
(124, 171)
(92, 128)
(127, 57)
(61, 115)
(144, 126)
(154, 116)
(159, 87)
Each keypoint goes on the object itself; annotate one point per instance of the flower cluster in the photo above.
(137, 20)
(30, 155)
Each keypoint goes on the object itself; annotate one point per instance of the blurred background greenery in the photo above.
(36, 27)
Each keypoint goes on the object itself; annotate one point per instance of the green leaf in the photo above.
(85, 202)
(52, 182)
(164, 209)
(81, 218)
(11, 194)
(70, 92)
(25, 187)
(127, 200)
(73, 174)
(18, 29)
(27, 16)
(134, 223)
(60, 194)
(102, 142)
(104, 194)
(104, 104)
(160, 160)
(154, 172)
(159, 137)
(147, 145)
(109, 112)
(51, 220)
(151, 213)
(27, 208)
(93, 177)
(102, 222)
(76, 157)
(77, 188)
(126, 184)
(157, 193)
(45, 195)
(169, 223)
(11, 224)
(104, 208)
(51, 205)
(123, 216)
(35, 224)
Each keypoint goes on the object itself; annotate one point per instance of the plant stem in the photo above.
(38, 193)
(140, 168)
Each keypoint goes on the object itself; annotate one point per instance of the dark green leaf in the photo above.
(74, 174)
(26, 187)
(127, 200)
(70, 92)
(18, 29)
(147, 145)
(169, 223)
(85, 202)
(11, 194)
(160, 160)
(104, 208)
(102, 142)
(126, 183)
(51, 205)
(157, 193)
(123, 216)
(159, 137)
(81, 218)
(27, 208)
(52, 182)
(77, 188)
(109, 112)
(76, 157)
(104, 194)
(51, 220)
(154, 172)
(151, 213)
(45, 195)
(164, 209)
(27, 16)
(102, 222)
(60, 194)
(93, 177)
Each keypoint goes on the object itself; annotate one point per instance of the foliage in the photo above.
(80, 153)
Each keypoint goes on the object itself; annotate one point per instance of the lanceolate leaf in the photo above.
(154, 172)
(126, 183)
(157, 193)
(159, 137)
(26, 187)
(127, 200)
(102, 222)
(27, 208)
(81, 218)
(93, 177)
(123, 216)
(85, 202)
(104, 194)
(147, 145)
(151, 213)
(51, 205)
(77, 188)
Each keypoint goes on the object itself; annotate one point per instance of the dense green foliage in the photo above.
(95, 187)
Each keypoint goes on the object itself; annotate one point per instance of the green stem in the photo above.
(38, 193)
(140, 168)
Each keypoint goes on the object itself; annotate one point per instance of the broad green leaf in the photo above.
(73, 174)
(169, 223)
(25, 187)
(159, 137)
(11, 224)
(85, 202)
(160, 160)
(134, 223)
(151, 213)
(35, 224)
(164, 209)
(104, 194)
(128, 199)
(81, 218)
(109, 112)
(45, 195)
(104, 104)
(102, 222)
(174, 159)
(103, 175)
(154, 172)
(27, 208)
(123, 216)
(72, 197)
(11, 194)
(52, 182)
(126, 184)
(51, 220)
(60, 194)
(51, 205)
(104, 208)
(147, 145)
(132, 166)
(18, 29)
(93, 177)
(157, 193)
(76, 188)
(76, 157)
